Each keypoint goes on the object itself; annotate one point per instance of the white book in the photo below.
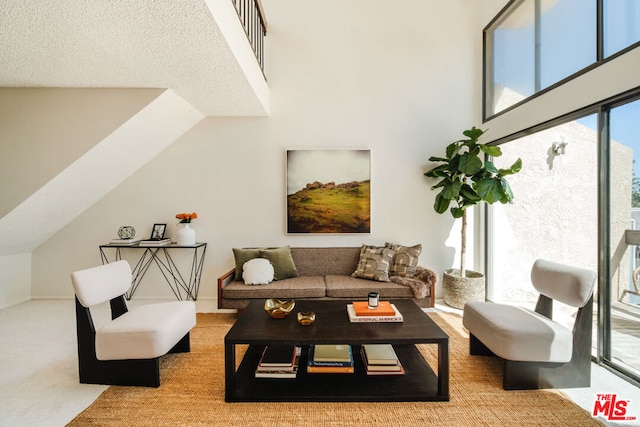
(128, 242)
(162, 242)
(373, 319)
(380, 354)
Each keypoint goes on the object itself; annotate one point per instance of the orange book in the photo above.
(384, 309)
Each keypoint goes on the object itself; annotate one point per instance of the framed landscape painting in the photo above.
(328, 191)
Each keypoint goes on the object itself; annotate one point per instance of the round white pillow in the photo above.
(257, 271)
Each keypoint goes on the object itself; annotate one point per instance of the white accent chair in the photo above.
(538, 352)
(127, 350)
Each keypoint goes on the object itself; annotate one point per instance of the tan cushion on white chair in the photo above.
(515, 333)
(146, 332)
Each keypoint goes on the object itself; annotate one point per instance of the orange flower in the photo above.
(186, 217)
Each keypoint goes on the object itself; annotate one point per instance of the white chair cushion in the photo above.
(145, 332)
(102, 283)
(515, 333)
(567, 284)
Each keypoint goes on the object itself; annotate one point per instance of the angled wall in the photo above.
(72, 167)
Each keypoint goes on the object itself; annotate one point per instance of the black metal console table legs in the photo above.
(183, 287)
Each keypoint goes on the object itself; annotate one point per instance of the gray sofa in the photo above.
(323, 273)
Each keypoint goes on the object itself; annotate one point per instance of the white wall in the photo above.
(400, 78)
(15, 279)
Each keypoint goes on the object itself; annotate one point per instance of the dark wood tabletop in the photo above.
(332, 325)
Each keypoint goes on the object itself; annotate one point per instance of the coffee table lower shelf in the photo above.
(420, 383)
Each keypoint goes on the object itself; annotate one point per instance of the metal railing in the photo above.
(253, 20)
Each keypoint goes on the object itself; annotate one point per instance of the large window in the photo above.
(621, 24)
(558, 214)
(567, 38)
(554, 214)
(623, 317)
(536, 44)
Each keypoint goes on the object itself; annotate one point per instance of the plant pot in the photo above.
(459, 290)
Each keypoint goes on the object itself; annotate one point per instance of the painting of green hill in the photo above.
(330, 208)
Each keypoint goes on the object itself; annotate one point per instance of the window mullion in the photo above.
(537, 54)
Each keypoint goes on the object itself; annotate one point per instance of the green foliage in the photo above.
(330, 209)
(466, 179)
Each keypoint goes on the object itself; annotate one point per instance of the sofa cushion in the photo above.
(357, 289)
(243, 255)
(374, 263)
(405, 259)
(257, 271)
(295, 287)
(282, 262)
(324, 261)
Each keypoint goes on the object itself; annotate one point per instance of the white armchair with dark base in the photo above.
(126, 350)
(537, 351)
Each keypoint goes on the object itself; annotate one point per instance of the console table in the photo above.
(255, 328)
(183, 289)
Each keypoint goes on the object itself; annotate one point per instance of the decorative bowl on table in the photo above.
(306, 318)
(279, 308)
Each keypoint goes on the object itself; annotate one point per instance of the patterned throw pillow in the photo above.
(374, 263)
(405, 259)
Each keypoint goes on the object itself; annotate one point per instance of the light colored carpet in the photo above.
(192, 394)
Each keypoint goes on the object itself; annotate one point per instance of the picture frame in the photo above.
(157, 232)
(328, 191)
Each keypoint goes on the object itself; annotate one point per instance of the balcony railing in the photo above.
(253, 20)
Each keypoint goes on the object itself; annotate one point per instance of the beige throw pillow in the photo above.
(405, 259)
(374, 263)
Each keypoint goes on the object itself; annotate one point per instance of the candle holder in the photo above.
(306, 317)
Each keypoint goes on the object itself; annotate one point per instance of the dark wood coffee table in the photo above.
(255, 328)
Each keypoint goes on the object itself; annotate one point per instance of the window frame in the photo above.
(603, 286)
(487, 59)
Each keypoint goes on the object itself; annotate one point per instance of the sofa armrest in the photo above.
(224, 280)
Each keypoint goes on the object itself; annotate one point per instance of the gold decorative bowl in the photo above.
(306, 317)
(278, 308)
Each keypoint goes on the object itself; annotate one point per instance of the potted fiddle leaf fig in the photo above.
(467, 177)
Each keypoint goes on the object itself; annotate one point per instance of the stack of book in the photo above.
(279, 361)
(359, 311)
(126, 242)
(330, 359)
(155, 242)
(381, 359)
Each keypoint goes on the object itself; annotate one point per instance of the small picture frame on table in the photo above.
(157, 233)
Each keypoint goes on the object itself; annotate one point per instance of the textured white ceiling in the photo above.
(174, 44)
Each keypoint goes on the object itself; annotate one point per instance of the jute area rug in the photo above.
(192, 394)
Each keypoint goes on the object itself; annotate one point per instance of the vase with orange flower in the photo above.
(186, 236)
